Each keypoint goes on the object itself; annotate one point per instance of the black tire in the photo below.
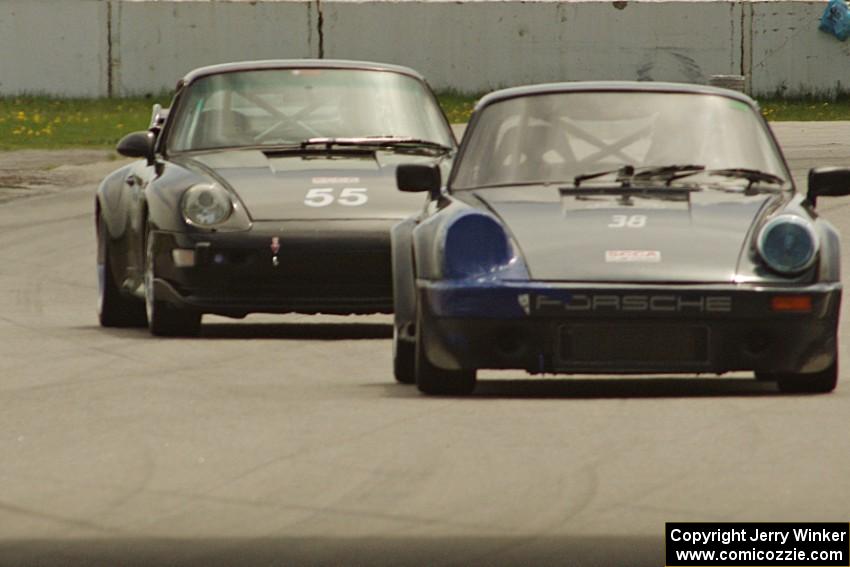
(436, 381)
(164, 319)
(114, 308)
(821, 382)
(404, 359)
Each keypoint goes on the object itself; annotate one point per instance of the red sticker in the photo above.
(615, 256)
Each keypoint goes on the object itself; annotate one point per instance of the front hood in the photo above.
(606, 238)
(284, 187)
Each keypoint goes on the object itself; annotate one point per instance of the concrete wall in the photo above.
(54, 46)
(478, 46)
(119, 47)
(790, 56)
(156, 43)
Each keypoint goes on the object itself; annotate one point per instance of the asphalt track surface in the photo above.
(285, 441)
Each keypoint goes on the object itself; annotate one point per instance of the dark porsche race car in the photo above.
(617, 228)
(267, 187)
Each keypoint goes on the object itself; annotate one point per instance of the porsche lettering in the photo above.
(670, 303)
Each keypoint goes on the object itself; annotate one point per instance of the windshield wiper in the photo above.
(628, 173)
(751, 175)
(390, 142)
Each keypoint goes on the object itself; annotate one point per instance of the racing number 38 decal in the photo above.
(324, 196)
(627, 221)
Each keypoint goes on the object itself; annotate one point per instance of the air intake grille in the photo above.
(627, 344)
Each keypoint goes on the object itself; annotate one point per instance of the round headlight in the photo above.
(788, 244)
(207, 204)
(475, 245)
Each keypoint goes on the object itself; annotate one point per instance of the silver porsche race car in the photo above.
(268, 186)
(617, 228)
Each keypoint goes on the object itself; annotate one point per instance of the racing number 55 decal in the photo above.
(324, 196)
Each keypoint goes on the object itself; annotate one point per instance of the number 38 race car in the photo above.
(617, 228)
(266, 187)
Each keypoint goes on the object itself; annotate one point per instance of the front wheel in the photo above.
(165, 320)
(404, 359)
(114, 309)
(436, 381)
(817, 383)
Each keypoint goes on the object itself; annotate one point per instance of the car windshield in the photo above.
(555, 138)
(287, 106)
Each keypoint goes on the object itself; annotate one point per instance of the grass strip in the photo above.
(37, 122)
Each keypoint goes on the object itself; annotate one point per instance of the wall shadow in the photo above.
(297, 331)
(292, 331)
(632, 387)
(372, 551)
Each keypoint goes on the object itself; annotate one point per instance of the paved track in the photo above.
(284, 440)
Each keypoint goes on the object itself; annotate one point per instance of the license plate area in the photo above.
(633, 345)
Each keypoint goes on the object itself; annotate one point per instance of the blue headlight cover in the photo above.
(476, 245)
(788, 244)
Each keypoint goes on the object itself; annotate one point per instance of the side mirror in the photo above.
(137, 145)
(828, 182)
(416, 178)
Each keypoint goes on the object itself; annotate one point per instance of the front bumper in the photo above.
(340, 267)
(616, 329)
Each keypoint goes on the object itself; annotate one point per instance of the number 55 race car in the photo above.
(617, 228)
(267, 187)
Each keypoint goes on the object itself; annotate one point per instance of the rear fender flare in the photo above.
(404, 277)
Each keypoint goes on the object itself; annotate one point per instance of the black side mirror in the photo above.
(416, 178)
(138, 145)
(828, 182)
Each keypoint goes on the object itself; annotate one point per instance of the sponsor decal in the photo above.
(335, 180)
(525, 302)
(629, 256)
(633, 303)
(275, 247)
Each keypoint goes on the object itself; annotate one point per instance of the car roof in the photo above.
(610, 86)
(195, 74)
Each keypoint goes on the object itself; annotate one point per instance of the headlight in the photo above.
(788, 244)
(477, 246)
(207, 204)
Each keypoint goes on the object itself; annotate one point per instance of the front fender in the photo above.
(429, 234)
(112, 201)
(163, 196)
(829, 261)
(830, 252)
